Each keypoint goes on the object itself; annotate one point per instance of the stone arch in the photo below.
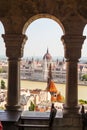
(36, 17)
(39, 16)
(47, 37)
(33, 18)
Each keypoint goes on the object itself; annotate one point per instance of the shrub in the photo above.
(32, 106)
(3, 84)
(81, 101)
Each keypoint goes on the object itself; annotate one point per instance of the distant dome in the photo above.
(47, 56)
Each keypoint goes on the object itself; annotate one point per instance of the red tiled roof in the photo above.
(52, 87)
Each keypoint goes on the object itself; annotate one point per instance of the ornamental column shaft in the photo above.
(72, 48)
(14, 51)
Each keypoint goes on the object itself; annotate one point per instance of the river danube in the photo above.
(82, 90)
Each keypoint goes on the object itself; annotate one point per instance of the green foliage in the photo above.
(81, 101)
(84, 77)
(32, 106)
(3, 84)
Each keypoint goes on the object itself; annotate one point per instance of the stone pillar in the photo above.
(72, 48)
(14, 51)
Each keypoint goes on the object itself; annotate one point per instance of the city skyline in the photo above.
(42, 34)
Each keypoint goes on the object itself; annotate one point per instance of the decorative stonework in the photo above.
(14, 14)
(60, 8)
(14, 45)
(72, 46)
(28, 7)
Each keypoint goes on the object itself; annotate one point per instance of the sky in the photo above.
(42, 34)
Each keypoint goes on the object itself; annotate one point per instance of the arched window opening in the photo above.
(82, 71)
(3, 69)
(84, 47)
(2, 44)
(42, 50)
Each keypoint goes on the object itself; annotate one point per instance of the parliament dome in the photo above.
(47, 56)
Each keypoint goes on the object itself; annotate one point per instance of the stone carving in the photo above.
(57, 7)
(62, 8)
(14, 45)
(82, 8)
(27, 7)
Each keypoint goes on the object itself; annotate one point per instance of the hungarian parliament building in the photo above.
(38, 69)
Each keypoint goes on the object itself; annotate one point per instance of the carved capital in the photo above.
(72, 46)
(14, 45)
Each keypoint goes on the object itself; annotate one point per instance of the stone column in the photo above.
(72, 48)
(14, 51)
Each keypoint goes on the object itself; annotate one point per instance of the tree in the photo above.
(32, 106)
(84, 77)
(3, 84)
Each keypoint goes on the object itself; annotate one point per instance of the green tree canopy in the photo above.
(84, 77)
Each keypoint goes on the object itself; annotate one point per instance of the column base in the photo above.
(14, 107)
(71, 111)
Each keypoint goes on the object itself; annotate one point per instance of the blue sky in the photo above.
(42, 34)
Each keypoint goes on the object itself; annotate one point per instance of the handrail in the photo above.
(21, 124)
